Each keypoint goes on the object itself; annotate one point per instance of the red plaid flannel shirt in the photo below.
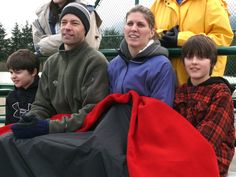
(209, 108)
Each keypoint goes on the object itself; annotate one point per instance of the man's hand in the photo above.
(30, 127)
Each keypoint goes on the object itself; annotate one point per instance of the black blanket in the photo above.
(97, 153)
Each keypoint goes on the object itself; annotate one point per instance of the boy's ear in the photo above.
(34, 73)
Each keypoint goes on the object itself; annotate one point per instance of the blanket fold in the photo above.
(147, 138)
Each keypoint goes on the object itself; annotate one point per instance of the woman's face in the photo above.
(60, 2)
(137, 31)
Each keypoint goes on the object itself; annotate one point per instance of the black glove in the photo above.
(30, 127)
(170, 37)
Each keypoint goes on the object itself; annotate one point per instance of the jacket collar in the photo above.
(214, 80)
(153, 49)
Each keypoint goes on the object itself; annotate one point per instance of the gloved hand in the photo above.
(30, 129)
(28, 118)
(170, 37)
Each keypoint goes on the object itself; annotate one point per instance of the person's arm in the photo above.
(218, 121)
(45, 44)
(94, 35)
(111, 73)
(163, 84)
(38, 32)
(217, 25)
(50, 44)
(218, 128)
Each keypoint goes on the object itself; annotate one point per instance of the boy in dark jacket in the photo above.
(23, 66)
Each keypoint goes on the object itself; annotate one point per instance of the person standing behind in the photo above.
(73, 80)
(23, 66)
(46, 28)
(206, 101)
(177, 20)
(142, 64)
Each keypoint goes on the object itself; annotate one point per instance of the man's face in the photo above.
(72, 31)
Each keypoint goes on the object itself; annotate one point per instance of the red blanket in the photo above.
(161, 143)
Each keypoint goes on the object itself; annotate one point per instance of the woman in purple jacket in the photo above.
(142, 64)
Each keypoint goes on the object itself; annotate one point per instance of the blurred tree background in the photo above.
(20, 38)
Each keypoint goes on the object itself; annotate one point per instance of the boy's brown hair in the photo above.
(200, 46)
(23, 59)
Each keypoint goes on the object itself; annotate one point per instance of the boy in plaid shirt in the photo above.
(206, 102)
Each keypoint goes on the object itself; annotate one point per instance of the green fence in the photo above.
(173, 52)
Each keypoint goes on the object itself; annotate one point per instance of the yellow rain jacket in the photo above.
(209, 17)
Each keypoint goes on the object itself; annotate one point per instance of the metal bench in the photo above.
(4, 90)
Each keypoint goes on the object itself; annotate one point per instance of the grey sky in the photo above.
(18, 11)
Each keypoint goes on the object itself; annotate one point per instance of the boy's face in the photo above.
(198, 69)
(22, 78)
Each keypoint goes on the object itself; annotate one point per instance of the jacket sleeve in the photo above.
(217, 25)
(94, 35)
(218, 128)
(38, 32)
(163, 84)
(93, 89)
(49, 44)
(45, 44)
(218, 121)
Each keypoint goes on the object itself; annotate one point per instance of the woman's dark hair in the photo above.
(200, 46)
(55, 11)
(23, 59)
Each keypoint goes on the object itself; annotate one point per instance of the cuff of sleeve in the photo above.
(56, 126)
